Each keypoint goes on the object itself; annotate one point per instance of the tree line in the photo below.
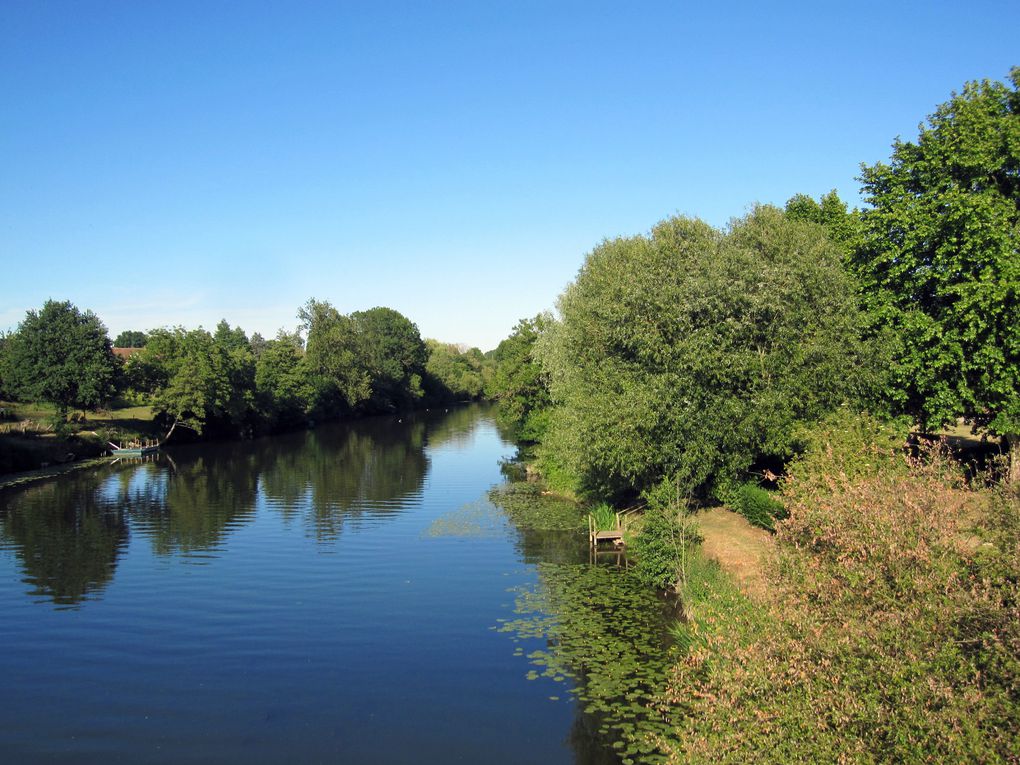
(692, 358)
(226, 383)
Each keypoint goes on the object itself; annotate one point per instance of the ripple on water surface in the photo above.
(282, 600)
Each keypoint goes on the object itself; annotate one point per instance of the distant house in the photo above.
(125, 353)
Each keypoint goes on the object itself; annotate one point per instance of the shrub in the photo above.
(760, 507)
(665, 543)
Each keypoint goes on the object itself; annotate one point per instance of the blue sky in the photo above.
(177, 163)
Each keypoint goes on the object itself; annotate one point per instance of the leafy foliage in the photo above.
(843, 226)
(130, 339)
(757, 505)
(60, 355)
(885, 634)
(453, 373)
(194, 380)
(337, 353)
(396, 357)
(519, 383)
(940, 259)
(666, 540)
(690, 353)
(284, 392)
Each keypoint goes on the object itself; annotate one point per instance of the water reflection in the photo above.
(349, 642)
(67, 537)
(68, 533)
(196, 503)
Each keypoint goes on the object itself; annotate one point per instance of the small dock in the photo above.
(614, 535)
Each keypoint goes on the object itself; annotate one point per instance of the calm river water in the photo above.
(328, 596)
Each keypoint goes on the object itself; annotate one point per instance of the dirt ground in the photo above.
(739, 547)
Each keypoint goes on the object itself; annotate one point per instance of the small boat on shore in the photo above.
(134, 449)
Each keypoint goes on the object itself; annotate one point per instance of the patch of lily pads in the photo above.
(605, 633)
(529, 506)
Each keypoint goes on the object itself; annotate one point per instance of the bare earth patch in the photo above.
(739, 547)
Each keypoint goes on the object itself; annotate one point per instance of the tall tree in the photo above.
(336, 352)
(842, 225)
(282, 386)
(230, 339)
(63, 356)
(941, 261)
(192, 379)
(396, 356)
(453, 373)
(518, 381)
(689, 354)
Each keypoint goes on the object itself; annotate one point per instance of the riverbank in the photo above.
(30, 441)
(883, 625)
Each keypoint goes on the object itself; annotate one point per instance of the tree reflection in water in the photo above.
(66, 535)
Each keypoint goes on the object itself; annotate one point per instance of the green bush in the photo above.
(666, 541)
(757, 505)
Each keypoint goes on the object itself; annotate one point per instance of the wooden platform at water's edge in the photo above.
(613, 535)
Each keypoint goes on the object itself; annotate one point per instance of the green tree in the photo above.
(689, 354)
(842, 225)
(396, 357)
(62, 356)
(453, 373)
(130, 339)
(231, 339)
(193, 380)
(940, 261)
(518, 382)
(337, 353)
(283, 389)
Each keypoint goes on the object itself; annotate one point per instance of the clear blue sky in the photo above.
(177, 163)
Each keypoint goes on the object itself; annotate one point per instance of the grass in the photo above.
(38, 418)
(605, 517)
(30, 439)
(740, 548)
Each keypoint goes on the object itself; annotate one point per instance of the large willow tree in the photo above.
(689, 354)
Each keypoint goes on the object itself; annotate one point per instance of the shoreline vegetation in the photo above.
(865, 607)
(67, 394)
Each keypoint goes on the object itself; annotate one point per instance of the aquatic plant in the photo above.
(604, 631)
(605, 517)
(528, 505)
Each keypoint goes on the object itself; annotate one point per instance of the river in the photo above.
(349, 594)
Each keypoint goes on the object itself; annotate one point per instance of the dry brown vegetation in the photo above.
(885, 635)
